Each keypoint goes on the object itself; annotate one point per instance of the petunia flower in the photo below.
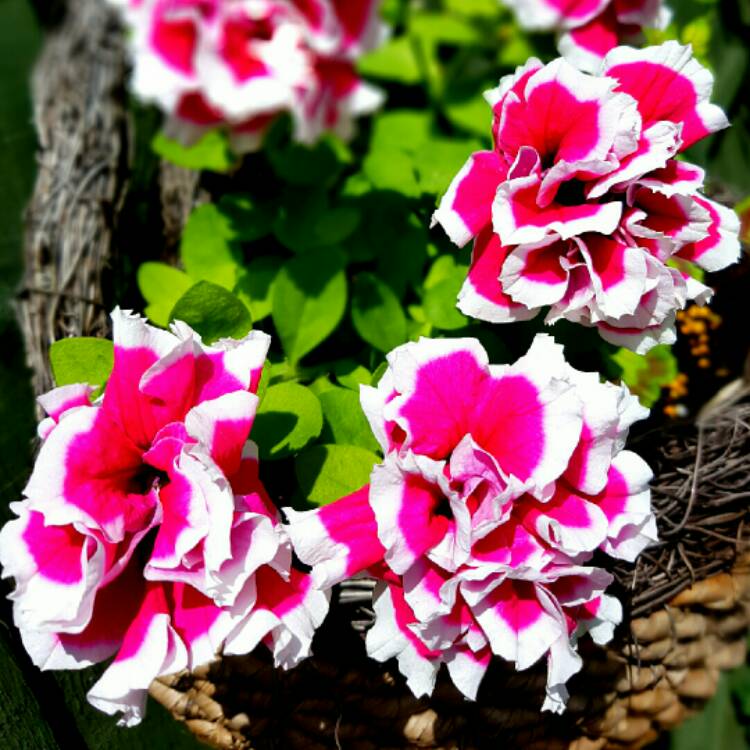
(498, 485)
(589, 29)
(145, 532)
(582, 204)
(239, 65)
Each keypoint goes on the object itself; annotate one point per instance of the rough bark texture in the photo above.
(82, 125)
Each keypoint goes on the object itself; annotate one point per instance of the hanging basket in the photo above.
(687, 607)
(687, 600)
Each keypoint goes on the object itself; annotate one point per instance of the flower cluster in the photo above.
(588, 30)
(240, 63)
(582, 206)
(145, 532)
(498, 485)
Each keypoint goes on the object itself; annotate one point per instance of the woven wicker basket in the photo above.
(687, 601)
(688, 611)
(623, 699)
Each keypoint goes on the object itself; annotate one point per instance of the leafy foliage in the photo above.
(309, 300)
(213, 312)
(328, 472)
(81, 360)
(288, 418)
(647, 374)
(211, 152)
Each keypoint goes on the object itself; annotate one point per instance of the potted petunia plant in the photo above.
(398, 351)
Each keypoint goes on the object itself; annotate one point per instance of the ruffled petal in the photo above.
(338, 540)
(518, 627)
(587, 45)
(482, 295)
(529, 417)
(722, 246)
(536, 275)
(151, 647)
(518, 219)
(669, 84)
(466, 208)
(392, 637)
(567, 522)
(626, 502)
(57, 572)
(412, 514)
(432, 413)
(68, 486)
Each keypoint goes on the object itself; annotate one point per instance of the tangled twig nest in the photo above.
(700, 496)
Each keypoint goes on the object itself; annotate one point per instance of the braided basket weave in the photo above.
(687, 601)
(623, 699)
(687, 614)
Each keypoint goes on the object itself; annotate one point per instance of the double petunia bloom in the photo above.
(240, 63)
(146, 535)
(583, 207)
(498, 485)
(589, 29)
(145, 532)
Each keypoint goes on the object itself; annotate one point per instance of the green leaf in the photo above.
(686, 267)
(470, 113)
(81, 360)
(444, 267)
(394, 61)
(439, 160)
(345, 422)
(309, 299)
(392, 169)
(380, 370)
(474, 8)
(376, 313)
(716, 727)
(213, 312)
(207, 249)
(350, 374)
(161, 286)
(404, 129)
(211, 152)
(739, 681)
(288, 418)
(255, 285)
(514, 47)
(698, 34)
(265, 380)
(317, 165)
(440, 28)
(336, 224)
(647, 374)
(306, 221)
(394, 236)
(245, 219)
(321, 384)
(328, 472)
(442, 285)
(355, 186)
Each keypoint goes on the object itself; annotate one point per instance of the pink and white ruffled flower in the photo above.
(145, 532)
(240, 63)
(582, 206)
(499, 484)
(589, 29)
